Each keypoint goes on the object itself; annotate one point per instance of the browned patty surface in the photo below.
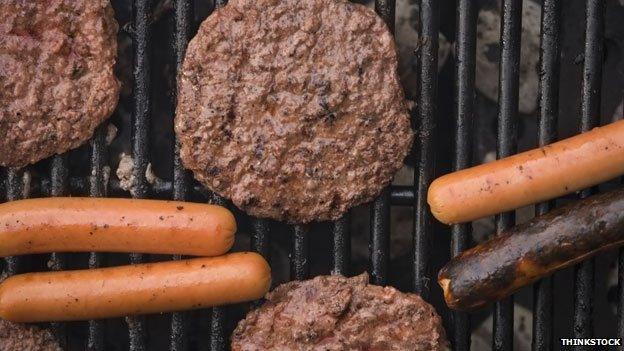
(334, 313)
(21, 337)
(293, 109)
(56, 75)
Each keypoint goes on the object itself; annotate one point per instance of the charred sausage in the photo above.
(114, 225)
(530, 251)
(135, 289)
(529, 177)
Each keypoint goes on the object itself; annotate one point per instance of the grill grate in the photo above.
(466, 39)
(507, 142)
(547, 133)
(60, 181)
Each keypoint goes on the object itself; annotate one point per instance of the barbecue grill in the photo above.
(66, 174)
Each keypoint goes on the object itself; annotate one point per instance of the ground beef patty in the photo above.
(293, 109)
(19, 337)
(336, 313)
(56, 75)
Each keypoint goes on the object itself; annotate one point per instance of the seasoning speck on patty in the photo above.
(293, 109)
(56, 75)
(333, 313)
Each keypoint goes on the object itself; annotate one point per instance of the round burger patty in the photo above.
(337, 313)
(19, 337)
(293, 109)
(56, 75)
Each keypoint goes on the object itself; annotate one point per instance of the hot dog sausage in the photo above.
(530, 177)
(114, 225)
(135, 289)
(530, 251)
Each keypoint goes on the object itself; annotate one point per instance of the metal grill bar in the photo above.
(260, 240)
(140, 135)
(379, 246)
(13, 192)
(182, 33)
(548, 113)
(620, 307)
(97, 188)
(300, 255)
(58, 177)
(342, 246)
(466, 39)
(507, 142)
(217, 330)
(424, 144)
(590, 118)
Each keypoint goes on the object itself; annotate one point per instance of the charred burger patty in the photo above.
(293, 109)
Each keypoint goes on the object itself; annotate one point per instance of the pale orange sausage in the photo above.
(530, 177)
(135, 289)
(114, 225)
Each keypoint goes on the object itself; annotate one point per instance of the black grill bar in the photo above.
(217, 332)
(423, 147)
(260, 241)
(466, 39)
(507, 142)
(547, 120)
(300, 254)
(182, 33)
(342, 246)
(58, 180)
(14, 191)
(97, 188)
(386, 10)
(59, 175)
(590, 118)
(140, 135)
(217, 319)
(379, 246)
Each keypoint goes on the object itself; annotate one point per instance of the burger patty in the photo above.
(336, 313)
(56, 75)
(293, 109)
(18, 337)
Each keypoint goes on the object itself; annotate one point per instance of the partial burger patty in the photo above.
(20, 337)
(56, 75)
(293, 109)
(337, 313)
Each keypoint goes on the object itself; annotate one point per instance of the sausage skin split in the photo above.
(134, 289)
(114, 225)
(530, 251)
(530, 177)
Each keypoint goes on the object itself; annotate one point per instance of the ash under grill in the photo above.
(446, 125)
